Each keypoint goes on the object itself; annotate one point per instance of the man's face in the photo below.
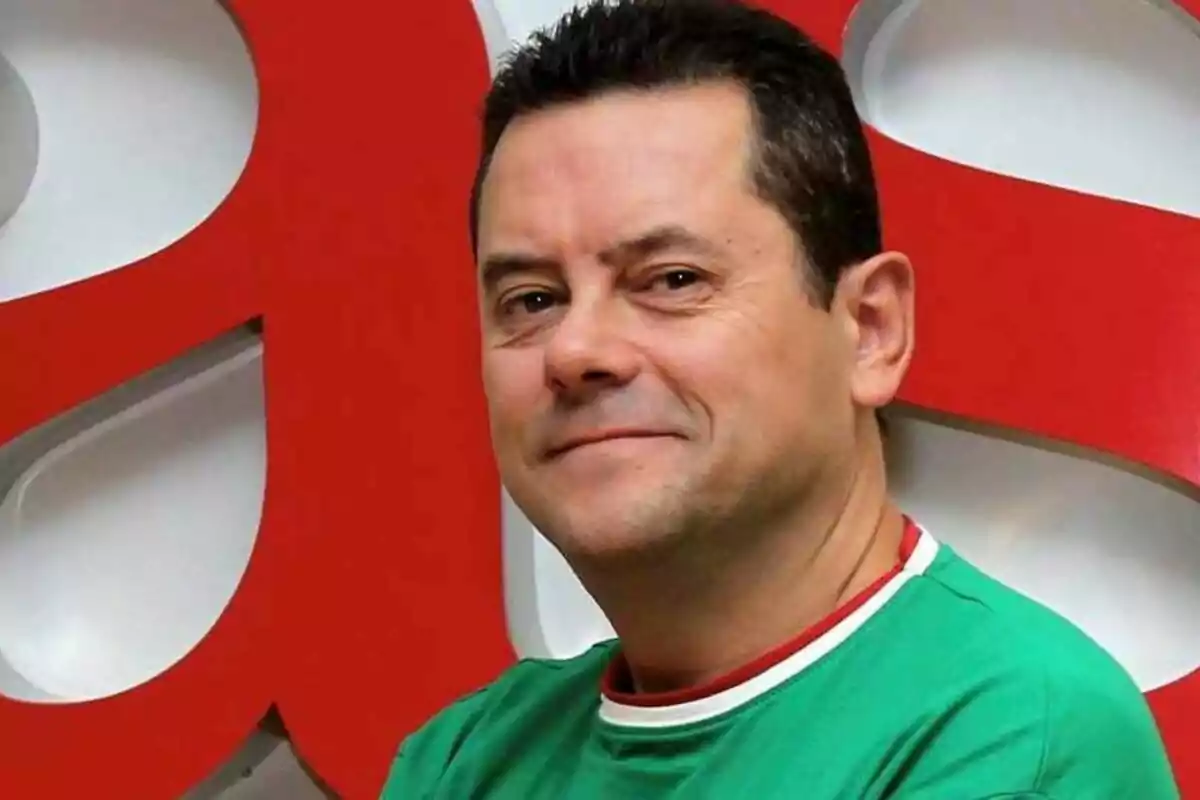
(652, 358)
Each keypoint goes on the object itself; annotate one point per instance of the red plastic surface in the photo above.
(374, 593)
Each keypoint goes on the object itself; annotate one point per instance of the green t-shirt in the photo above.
(938, 683)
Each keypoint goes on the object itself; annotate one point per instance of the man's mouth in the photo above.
(607, 435)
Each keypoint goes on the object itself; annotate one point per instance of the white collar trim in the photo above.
(736, 696)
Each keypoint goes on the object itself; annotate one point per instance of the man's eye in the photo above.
(675, 279)
(531, 302)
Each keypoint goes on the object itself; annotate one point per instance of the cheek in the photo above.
(720, 363)
(766, 370)
(514, 386)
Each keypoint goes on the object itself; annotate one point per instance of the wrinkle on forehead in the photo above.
(572, 179)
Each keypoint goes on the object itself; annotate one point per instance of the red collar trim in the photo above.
(617, 672)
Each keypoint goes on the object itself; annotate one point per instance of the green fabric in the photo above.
(957, 689)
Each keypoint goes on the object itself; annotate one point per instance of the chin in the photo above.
(610, 526)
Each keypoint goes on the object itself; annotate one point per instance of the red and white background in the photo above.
(243, 453)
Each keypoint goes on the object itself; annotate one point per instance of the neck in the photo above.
(682, 625)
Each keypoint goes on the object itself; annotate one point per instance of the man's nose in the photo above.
(591, 351)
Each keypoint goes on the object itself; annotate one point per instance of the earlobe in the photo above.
(879, 295)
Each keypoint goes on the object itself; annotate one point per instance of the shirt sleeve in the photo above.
(424, 757)
(1037, 734)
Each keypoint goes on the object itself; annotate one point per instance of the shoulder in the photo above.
(1029, 694)
(995, 623)
(524, 691)
(1003, 623)
(529, 682)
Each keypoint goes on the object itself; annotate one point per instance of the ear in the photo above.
(874, 300)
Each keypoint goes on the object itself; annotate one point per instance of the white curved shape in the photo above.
(1007, 86)
(495, 35)
(147, 112)
(120, 547)
(1094, 95)
(550, 614)
(18, 140)
(571, 622)
(522, 17)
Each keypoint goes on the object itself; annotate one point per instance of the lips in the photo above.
(571, 443)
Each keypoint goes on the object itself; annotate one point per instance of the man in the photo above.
(689, 324)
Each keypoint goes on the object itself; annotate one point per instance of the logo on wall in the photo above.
(339, 266)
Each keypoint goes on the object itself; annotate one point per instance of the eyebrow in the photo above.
(498, 266)
(653, 242)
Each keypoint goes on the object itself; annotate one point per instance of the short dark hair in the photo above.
(811, 158)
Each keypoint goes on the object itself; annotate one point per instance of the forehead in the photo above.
(579, 175)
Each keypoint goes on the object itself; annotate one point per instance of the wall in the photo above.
(140, 491)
